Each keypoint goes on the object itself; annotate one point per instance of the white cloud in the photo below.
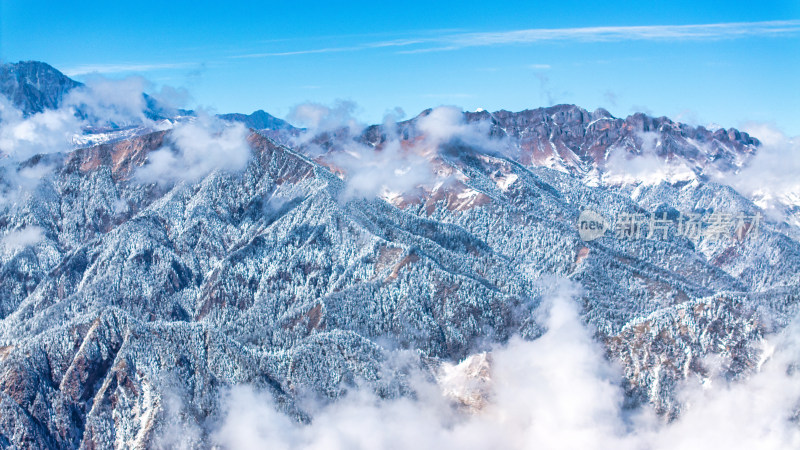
(395, 166)
(104, 100)
(756, 413)
(446, 124)
(252, 422)
(50, 131)
(646, 166)
(101, 100)
(770, 178)
(176, 429)
(122, 68)
(628, 33)
(556, 392)
(368, 171)
(317, 119)
(18, 239)
(195, 149)
(21, 138)
(456, 41)
(168, 99)
(391, 169)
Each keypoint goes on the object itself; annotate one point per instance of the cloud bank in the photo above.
(195, 149)
(320, 119)
(18, 239)
(103, 100)
(770, 178)
(369, 171)
(647, 167)
(99, 103)
(446, 123)
(556, 392)
(396, 165)
(50, 131)
(22, 138)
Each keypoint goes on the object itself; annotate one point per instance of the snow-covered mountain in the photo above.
(34, 86)
(129, 304)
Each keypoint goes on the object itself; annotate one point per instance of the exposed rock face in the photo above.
(469, 382)
(569, 137)
(142, 302)
(592, 134)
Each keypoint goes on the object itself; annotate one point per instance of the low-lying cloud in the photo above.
(554, 392)
(771, 177)
(18, 239)
(22, 138)
(319, 119)
(446, 124)
(101, 102)
(50, 131)
(396, 165)
(646, 166)
(195, 149)
(390, 170)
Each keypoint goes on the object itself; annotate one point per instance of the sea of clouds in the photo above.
(556, 392)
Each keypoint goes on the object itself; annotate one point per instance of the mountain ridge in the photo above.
(143, 301)
(17, 83)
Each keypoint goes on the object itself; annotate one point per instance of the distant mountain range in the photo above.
(291, 276)
(34, 86)
(259, 120)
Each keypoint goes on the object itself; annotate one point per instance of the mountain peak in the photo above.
(33, 86)
(258, 120)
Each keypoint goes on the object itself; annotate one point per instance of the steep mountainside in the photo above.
(34, 86)
(142, 301)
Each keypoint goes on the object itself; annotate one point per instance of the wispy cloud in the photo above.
(365, 46)
(122, 68)
(456, 95)
(302, 52)
(456, 41)
(428, 50)
(629, 33)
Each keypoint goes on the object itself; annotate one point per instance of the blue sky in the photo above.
(699, 62)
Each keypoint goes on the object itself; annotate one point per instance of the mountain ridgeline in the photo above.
(136, 294)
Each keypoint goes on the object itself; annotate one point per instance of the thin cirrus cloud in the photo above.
(122, 68)
(457, 41)
(630, 33)
(367, 46)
